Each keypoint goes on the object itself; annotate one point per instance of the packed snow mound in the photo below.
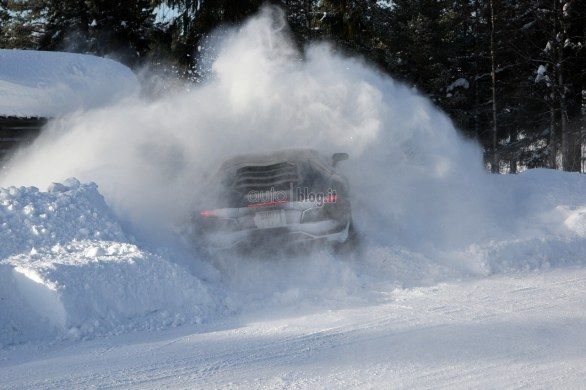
(88, 288)
(50, 84)
(31, 219)
(67, 270)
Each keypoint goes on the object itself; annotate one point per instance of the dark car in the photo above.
(276, 200)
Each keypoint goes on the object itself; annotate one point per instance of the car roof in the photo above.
(274, 157)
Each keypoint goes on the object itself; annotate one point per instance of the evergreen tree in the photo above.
(114, 27)
(22, 23)
(198, 18)
(67, 26)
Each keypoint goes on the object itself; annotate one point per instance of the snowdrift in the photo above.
(51, 84)
(68, 270)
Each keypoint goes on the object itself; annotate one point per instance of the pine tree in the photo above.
(120, 28)
(198, 18)
(4, 18)
(67, 26)
(554, 51)
(103, 27)
(22, 23)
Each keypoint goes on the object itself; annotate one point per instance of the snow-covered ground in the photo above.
(464, 279)
(83, 306)
(51, 84)
(526, 330)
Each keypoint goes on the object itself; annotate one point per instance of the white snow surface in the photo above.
(526, 330)
(51, 84)
(31, 219)
(67, 270)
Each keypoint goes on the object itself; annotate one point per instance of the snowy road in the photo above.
(502, 331)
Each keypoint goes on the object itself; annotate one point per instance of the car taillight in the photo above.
(210, 220)
(207, 214)
(331, 198)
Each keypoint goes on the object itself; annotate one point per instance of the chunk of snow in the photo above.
(385, 3)
(165, 14)
(576, 221)
(56, 188)
(541, 74)
(459, 83)
(94, 251)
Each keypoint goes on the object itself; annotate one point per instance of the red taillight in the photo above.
(331, 198)
(207, 214)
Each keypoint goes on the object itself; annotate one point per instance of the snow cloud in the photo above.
(415, 181)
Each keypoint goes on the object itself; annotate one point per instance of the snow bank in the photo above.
(49, 84)
(68, 270)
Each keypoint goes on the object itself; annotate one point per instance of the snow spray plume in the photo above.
(413, 178)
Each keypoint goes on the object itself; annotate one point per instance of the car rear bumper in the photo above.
(279, 237)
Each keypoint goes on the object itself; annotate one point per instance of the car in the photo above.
(277, 200)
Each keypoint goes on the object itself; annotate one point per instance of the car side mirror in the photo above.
(337, 157)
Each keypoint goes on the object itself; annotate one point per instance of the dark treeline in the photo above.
(510, 73)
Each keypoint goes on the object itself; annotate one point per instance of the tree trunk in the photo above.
(476, 31)
(583, 135)
(552, 147)
(583, 145)
(494, 161)
(568, 138)
(514, 152)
